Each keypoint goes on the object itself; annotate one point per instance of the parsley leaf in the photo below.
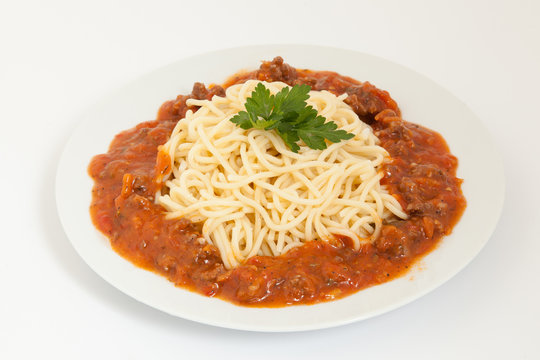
(243, 120)
(291, 100)
(288, 114)
(260, 102)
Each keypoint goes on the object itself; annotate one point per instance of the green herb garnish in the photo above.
(288, 114)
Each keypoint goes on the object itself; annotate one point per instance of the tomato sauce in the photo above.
(421, 175)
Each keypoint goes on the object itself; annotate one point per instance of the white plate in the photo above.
(421, 101)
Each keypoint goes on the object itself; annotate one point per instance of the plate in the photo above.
(419, 99)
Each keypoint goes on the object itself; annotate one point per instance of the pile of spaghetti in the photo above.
(254, 196)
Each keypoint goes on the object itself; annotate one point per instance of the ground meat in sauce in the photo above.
(421, 176)
(176, 109)
(276, 70)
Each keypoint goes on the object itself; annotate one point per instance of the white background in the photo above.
(59, 57)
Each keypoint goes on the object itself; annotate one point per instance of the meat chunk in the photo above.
(200, 91)
(363, 100)
(277, 70)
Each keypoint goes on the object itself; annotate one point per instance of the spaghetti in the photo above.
(253, 196)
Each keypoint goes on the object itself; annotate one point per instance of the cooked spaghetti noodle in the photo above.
(254, 196)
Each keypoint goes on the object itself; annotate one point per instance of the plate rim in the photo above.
(61, 206)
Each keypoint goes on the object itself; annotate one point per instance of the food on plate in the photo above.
(282, 186)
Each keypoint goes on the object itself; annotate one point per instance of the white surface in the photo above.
(59, 57)
(137, 102)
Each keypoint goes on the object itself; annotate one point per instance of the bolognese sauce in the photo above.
(421, 175)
